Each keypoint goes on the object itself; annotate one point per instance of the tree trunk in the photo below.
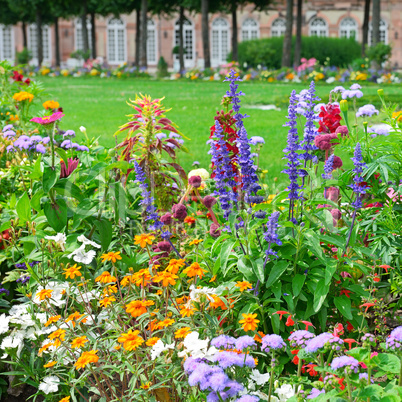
(39, 34)
(235, 52)
(181, 40)
(137, 38)
(144, 34)
(298, 43)
(93, 35)
(57, 41)
(205, 33)
(84, 30)
(376, 21)
(24, 34)
(365, 26)
(287, 40)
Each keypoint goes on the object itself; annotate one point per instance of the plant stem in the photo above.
(349, 386)
(271, 380)
(350, 231)
(52, 143)
(400, 374)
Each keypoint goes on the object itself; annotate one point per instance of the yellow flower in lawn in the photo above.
(52, 319)
(165, 323)
(244, 285)
(194, 270)
(22, 96)
(86, 358)
(186, 311)
(182, 332)
(75, 317)
(138, 307)
(249, 322)
(50, 364)
(72, 272)
(175, 265)
(79, 342)
(107, 301)
(167, 278)
(130, 340)
(142, 277)
(111, 256)
(152, 341)
(51, 104)
(66, 399)
(105, 277)
(58, 334)
(144, 239)
(44, 294)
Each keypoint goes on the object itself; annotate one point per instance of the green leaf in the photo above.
(69, 189)
(258, 269)
(344, 306)
(226, 250)
(105, 232)
(11, 276)
(35, 200)
(122, 165)
(49, 178)
(371, 390)
(387, 363)
(63, 155)
(23, 208)
(330, 269)
(320, 294)
(297, 284)
(278, 269)
(56, 214)
(245, 267)
(315, 246)
(360, 354)
(4, 226)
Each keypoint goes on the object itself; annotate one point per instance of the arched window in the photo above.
(278, 27)
(116, 41)
(348, 28)
(151, 43)
(188, 39)
(318, 27)
(6, 43)
(33, 43)
(220, 41)
(250, 29)
(79, 38)
(383, 32)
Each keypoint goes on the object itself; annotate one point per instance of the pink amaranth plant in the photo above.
(45, 120)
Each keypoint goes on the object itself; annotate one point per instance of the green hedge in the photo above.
(268, 51)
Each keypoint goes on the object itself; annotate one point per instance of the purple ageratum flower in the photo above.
(358, 188)
(227, 359)
(23, 279)
(9, 133)
(328, 168)
(349, 93)
(364, 377)
(368, 338)
(345, 362)
(223, 341)
(315, 392)
(8, 127)
(272, 342)
(394, 341)
(271, 235)
(160, 136)
(322, 342)
(248, 398)
(257, 140)
(338, 89)
(244, 342)
(367, 111)
(379, 130)
(67, 144)
(355, 86)
(69, 133)
(299, 339)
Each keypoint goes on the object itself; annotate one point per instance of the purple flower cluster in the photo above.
(353, 92)
(4, 290)
(328, 167)
(25, 143)
(8, 131)
(379, 130)
(358, 188)
(244, 342)
(223, 341)
(68, 144)
(227, 359)
(248, 398)
(394, 341)
(299, 339)
(147, 199)
(370, 338)
(272, 342)
(22, 265)
(23, 279)
(271, 235)
(367, 111)
(315, 392)
(345, 362)
(323, 341)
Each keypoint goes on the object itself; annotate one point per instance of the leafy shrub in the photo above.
(162, 68)
(24, 56)
(380, 53)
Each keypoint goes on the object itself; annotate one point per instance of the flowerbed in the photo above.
(125, 278)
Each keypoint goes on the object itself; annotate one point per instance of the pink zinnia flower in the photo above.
(48, 119)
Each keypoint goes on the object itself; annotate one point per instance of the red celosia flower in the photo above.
(289, 322)
(329, 118)
(281, 313)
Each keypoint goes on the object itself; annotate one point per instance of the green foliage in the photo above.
(162, 68)
(24, 56)
(380, 53)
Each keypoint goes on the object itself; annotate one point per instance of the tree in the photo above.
(376, 17)
(205, 32)
(365, 26)
(84, 27)
(144, 34)
(298, 43)
(287, 40)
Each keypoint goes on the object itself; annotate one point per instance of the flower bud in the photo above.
(209, 201)
(214, 230)
(167, 218)
(179, 212)
(343, 105)
(380, 92)
(195, 181)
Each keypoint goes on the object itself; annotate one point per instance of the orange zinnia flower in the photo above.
(58, 334)
(194, 270)
(44, 347)
(189, 220)
(174, 265)
(50, 364)
(127, 280)
(111, 256)
(244, 285)
(44, 294)
(138, 307)
(182, 332)
(106, 301)
(86, 358)
(105, 277)
(78, 342)
(72, 272)
(144, 239)
(195, 242)
(75, 317)
(66, 399)
(142, 277)
(166, 278)
(52, 319)
(258, 336)
(186, 311)
(165, 323)
(249, 322)
(152, 341)
(130, 340)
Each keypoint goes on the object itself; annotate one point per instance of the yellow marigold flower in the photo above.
(166, 278)
(194, 270)
(45, 347)
(142, 277)
(146, 385)
(152, 341)
(244, 285)
(397, 115)
(50, 364)
(127, 280)
(22, 96)
(86, 358)
(165, 323)
(175, 265)
(111, 256)
(106, 301)
(75, 317)
(79, 342)
(72, 272)
(66, 399)
(249, 322)
(159, 292)
(130, 340)
(182, 332)
(138, 307)
(105, 277)
(51, 104)
(186, 311)
(52, 319)
(144, 239)
(213, 279)
(44, 294)
(58, 334)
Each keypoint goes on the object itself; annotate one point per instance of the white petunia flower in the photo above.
(49, 384)
(4, 320)
(259, 378)
(82, 256)
(285, 392)
(85, 241)
(59, 239)
(195, 293)
(158, 348)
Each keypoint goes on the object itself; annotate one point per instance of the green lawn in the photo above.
(100, 106)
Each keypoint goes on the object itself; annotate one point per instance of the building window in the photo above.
(33, 43)
(383, 32)
(278, 27)
(6, 43)
(151, 43)
(348, 28)
(220, 41)
(188, 39)
(250, 29)
(116, 41)
(79, 38)
(318, 27)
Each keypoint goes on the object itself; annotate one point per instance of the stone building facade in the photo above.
(115, 37)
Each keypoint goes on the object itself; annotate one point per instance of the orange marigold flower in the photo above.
(182, 332)
(50, 364)
(213, 279)
(189, 220)
(111, 256)
(58, 334)
(144, 239)
(194, 270)
(46, 346)
(244, 285)
(138, 307)
(52, 319)
(174, 265)
(44, 294)
(167, 278)
(66, 399)
(130, 340)
(249, 322)
(75, 317)
(72, 272)
(79, 342)
(86, 358)
(186, 311)
(152, 341)
(195, 242)
(142, 277)
(51, 104)
(165, 323)
(258, 336)
(105, 277)
(127, 280)
(218, 302)
(107, 301)
(21, 96)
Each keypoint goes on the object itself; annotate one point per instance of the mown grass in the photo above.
(100, 105)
